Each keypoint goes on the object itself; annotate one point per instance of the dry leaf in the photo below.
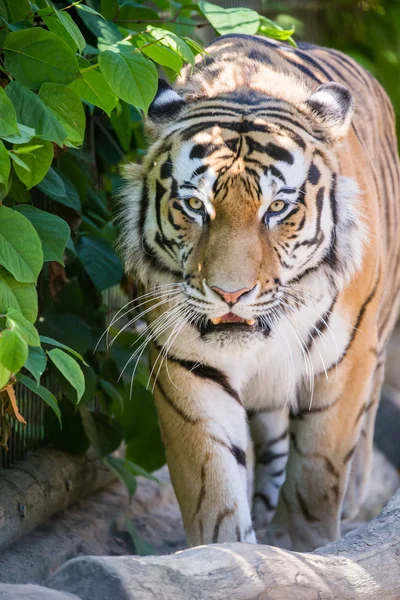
(11, 394)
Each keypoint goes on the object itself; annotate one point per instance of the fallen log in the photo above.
(364, 564)
(46, 482)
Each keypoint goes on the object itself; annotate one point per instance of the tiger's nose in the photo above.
(230, 297)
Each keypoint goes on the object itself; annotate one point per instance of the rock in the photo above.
(392, 372)
(32, 592)
(363, 564)
(97, 525)
(385, 481)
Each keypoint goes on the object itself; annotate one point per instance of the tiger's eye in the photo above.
(195, 204)
(277, 206)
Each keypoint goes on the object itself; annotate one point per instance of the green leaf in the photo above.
(231, 20)
(109, 8)
(117, 465)
(68, 109)
(93, 88)
(142, 548)
(21, 296)
(195, 47)
(33, 112)
(101, 430)
(84, 8)
(122, 126)
(160, 54)
(100, 262)
(141, 428)
(36, 363)
(173, 42)
(5, 165)
(62, 24)
(273, 30)
(20, 246)
(133, 11)
(53, 231)
(72, 437)
(5, 375)
(131, 76)
(18, 161)
(69, 368)
(57, 185)
(16, 320)
(34, 56)
(46, 340)
(25, 135)
(4, 17)
(38, 161)
(147, 450)
(17, 191)
(8, 117)
(24, 24)
(19, 10)
(91, 379)
(13, 350)
(27, 148)
(112, 392)
(44, 394)
(139, 471)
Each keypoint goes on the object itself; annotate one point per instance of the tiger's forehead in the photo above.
(220, 154)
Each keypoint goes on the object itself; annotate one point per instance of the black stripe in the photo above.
(277, 473)
(238, 536)
(239, 454)
(248, 531)
(202, 493)
(206, 372)
(166, 168)
(203, 150)
(177, 409)
(357, 323)
(302, 503)
(227, 512)
(281, 437)
(278, 153)
(321, 325)
(317, 239)
(349, 455)
(265, 500)
(313, 410)
(155, 261)
(268, 457)
(314, 174)
(144, 203)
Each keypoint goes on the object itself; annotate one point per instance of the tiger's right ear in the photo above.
(166, 105)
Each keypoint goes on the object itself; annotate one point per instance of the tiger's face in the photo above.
(239, 210)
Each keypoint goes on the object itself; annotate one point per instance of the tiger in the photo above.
(263, 225)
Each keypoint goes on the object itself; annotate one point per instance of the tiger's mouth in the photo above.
(228, 322)
(232, 318)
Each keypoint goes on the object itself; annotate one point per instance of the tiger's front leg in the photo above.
(323, 441)
(204, 430)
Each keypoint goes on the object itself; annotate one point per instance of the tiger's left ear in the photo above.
(332, 106)
(166, 105)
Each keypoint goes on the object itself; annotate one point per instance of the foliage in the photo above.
(369, 31)
(75, 80)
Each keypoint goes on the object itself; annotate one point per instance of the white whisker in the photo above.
(116, 317)
(140, 315)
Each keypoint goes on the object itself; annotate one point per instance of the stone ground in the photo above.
(90, 542)
(97, 527)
